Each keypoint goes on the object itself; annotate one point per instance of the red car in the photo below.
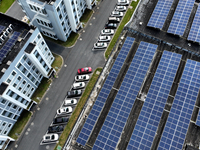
(84, 70)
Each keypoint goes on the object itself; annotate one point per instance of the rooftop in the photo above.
(13, 36)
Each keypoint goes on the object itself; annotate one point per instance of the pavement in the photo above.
(80, 55)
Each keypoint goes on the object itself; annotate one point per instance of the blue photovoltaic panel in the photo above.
(160, 13)
(194, 34)
(121, 107)
(2, 28)
(149, 118)
(181, 111)
(181, 16)
(98, 105)
(198, 119)
(8, 45)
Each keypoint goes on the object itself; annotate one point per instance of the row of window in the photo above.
(42, 22)
(41, 60)
(49, 34)
(5, 127)
(37, 9)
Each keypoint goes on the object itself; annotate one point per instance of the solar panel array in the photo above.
(122, 105)
(198, 119)
(149, 118)
(2, 28)
(194, 34)
(8, 45)
(181, 111)
(160, 13)
(95, 112)
(181, 16)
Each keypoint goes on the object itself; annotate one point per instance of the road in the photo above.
(78, 56)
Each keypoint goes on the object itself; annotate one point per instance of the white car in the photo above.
(116, 14)
(104, 38)
(82, 78)
(78, 85)
(100, 45)
(64, 110)
(107, 32)
(120, 8)
(70, 102)
(123, 2)
(50, 137)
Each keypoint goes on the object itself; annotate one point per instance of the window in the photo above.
(3, 101)
(13, 73)
(15, 106)
(64, 10)
(1, 142)
(17, 97)
(31, 6)
(29, 62)
(14, 85)
(37, 55)
(62, 23)
(42, 43)
(33, 68)
(24, 57)
(4, 112)
(45, 24)
(19, 88)
(10, 115)
(22, 100)
(29, 75)
(4, 124)
(8, 81)
(11, 94)
(37, 72)
(38, 36)
(74, 10)
(46, 49)
(62, 3)
(28, 85)
(19, 78)
(5, 132)
(24, 82)
(19, 65)
(9, 125)
(60, 16)
(38, 20)
(72, 2)
(24, 70)
(9, 104)
(24, 92)
(19, 109)
(44, 11)
(32, 89)
(58, 9)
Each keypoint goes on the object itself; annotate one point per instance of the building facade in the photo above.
(24, 60)
(56, 18)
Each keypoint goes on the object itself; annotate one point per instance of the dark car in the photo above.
(111, 26)
(74, 93)
(60, 120)
(54, 129)
(84, 70)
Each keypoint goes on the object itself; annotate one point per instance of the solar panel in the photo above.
(121, 107)
(181, 111)
(181, 16)
(99, 103)
(8, 45)
(2, 28)
(149, 118)
(194, 34)
(198, 119)
(160, 13)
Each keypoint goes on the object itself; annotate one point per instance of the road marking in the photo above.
(93, 17)
(80, 39)
(32, 123)
(29, 129)
(65, 65)
(38, 108)
(83, 30)
(47, 98)
(90, 24)
(26, 133)
(97, 7)
(16, 146)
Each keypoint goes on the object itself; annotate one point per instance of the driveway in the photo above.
(80, 55)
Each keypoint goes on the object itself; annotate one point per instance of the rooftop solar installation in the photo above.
(194, 34)
(122, 105)
(160, 13)
(198, 119)
(181, 111)
(181, 16)
(2, 28)
(149, 118)
(8, 45)
(99, 103)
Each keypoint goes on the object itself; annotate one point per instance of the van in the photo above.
(113, 20)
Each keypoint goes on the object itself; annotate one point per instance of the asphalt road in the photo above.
(78, 56)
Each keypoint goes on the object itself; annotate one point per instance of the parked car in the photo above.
(120, 8)
(64, 110)
(78, 85)
(84, 70)
(100, 45)
(116, 14)
(82, 78)
(74, 93)
(59, 120)
(113, 20)
(54, 129)
(111, 26)
(107, 32)
(104, 38)
(70, 102)
(50, 137)
(123, 2)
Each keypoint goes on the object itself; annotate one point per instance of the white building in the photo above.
(24, 60)
(56, 18)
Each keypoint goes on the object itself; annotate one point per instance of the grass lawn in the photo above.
(78, 109)
(70, 41)
(45, 83)
(20, 124)
(5, 4)
(120, 28)
(86, 16)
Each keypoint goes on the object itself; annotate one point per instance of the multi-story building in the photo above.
(24, 60)
(56, 18)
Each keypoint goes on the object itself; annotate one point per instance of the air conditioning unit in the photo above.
(11, 26)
